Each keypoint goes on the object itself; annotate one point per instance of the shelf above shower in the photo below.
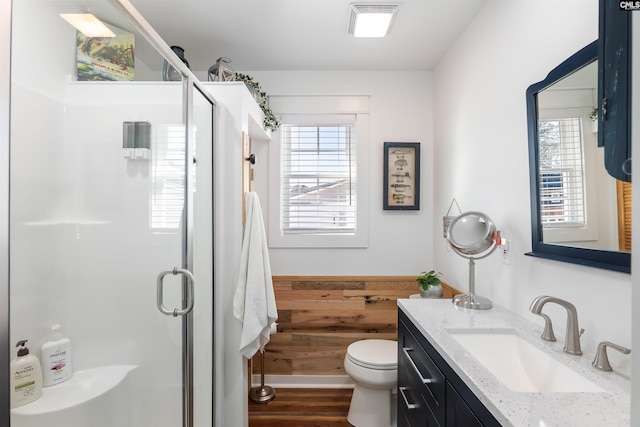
(232, 94)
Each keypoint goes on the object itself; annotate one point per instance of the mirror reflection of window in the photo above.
(579, 202)
(561, 179)
(167, 177)
(571, 189)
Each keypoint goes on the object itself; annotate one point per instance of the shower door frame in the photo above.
(5, 102)
(189, 83)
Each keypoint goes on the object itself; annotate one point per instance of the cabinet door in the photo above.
(614, 95)
(458, 413)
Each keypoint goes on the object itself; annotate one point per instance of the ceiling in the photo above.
(305, 34)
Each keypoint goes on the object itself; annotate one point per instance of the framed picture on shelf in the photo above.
(106, 58)
(401, 176)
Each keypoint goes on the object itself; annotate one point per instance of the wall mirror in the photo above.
(579, 213)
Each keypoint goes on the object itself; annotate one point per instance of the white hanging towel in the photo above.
(254, 302)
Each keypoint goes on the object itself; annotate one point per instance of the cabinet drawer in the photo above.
(424, 381)
(413, 400)
(412, 410)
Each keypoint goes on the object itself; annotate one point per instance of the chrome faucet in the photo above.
(572, 337)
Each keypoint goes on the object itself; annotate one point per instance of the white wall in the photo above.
(400, 111)
(481, 159)
(233, 111)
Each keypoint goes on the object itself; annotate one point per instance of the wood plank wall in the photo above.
(319, 316)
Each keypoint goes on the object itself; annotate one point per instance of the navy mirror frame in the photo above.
(610, 260)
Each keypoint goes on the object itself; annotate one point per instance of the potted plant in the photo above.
(430, 284)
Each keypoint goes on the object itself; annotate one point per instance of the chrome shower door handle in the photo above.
(189, 296)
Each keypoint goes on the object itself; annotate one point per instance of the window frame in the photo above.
(565, 184)
(357, 239)
(572, 232)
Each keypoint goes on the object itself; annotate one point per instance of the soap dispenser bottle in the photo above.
(56, 358)
(26, 377)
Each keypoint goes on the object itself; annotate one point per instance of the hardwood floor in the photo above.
(296, 407)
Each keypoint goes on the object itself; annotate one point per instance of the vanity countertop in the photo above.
(436, 318)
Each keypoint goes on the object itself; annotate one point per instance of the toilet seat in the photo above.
(381, 355)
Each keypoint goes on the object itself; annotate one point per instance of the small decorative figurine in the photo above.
(221, 71)
(168, 72)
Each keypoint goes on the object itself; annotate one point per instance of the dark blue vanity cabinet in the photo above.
(614, 88)
(430, 393)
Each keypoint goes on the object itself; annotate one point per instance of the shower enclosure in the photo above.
(107, 232)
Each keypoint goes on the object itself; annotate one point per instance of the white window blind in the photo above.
(561, 180)
(167, 177)
(318, 177)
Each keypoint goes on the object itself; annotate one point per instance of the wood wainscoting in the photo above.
(319, 316)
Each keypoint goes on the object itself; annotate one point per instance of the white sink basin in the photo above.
(522, 367)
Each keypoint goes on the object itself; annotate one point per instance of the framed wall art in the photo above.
(401, 176)
(106, 58)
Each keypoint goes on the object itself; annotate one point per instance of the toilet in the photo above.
(373, 366)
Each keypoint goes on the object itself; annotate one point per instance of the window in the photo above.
(318, 179)
(562, 197)
(318, 172)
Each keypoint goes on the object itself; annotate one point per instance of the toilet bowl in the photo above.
(373, 366)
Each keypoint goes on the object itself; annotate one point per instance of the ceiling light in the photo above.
(88, 24)
(372, 20)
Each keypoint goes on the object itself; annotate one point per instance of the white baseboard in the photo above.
(304, 381)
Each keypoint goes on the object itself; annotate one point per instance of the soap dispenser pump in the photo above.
(26, 377)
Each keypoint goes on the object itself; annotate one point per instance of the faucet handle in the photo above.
(547, 333)
(602, 360)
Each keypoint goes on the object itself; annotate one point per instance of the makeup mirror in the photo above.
(472, 235)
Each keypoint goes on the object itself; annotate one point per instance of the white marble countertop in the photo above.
(436, 318)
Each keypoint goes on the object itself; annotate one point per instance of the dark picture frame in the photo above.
(401, 188)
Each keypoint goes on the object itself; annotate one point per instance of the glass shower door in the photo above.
(103, 190)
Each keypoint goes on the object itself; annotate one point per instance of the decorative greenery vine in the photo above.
(271, 122)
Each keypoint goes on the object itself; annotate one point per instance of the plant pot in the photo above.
(432, 292)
